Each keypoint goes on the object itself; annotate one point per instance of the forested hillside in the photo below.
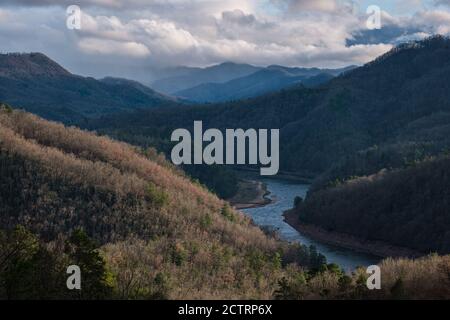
(39, 85)
(140, 230)
(159, 234)
(401, 98)
(404, 207)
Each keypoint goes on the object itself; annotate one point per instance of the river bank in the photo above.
(251, 194)
(283, 194)
(254, 174)
(376, 248)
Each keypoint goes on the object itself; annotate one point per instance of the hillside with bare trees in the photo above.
(145, 214)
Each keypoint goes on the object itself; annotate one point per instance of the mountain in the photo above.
(140, 229)
(405, 207)
(177, 238)
(382, 103)
(20, 66)
(270, 79)
(39, 85)
(185, 77)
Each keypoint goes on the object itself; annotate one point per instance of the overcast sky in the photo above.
(132, 37)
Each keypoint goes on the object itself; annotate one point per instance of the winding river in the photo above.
(282, 194)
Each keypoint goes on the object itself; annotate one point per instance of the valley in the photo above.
(372, 143)
(271, 216)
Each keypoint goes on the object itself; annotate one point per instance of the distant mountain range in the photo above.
(230, 81)
(39, 85)
(377, 104)
(270, 79)
(182, 78)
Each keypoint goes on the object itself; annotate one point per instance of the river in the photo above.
(282, 194)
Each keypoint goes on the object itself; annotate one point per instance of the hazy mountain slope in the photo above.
(152, 221)
(191, 77)
(270, 79)
(258, 83)
(39, 85)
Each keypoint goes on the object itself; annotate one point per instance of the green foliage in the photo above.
(157, 196)
(206, 221)
(257, 261)
(398, 290)
(228, 213)
(6, 107)
(179, 254)
(290, 290)
(30, 269)
(161, 286)
(96, 280)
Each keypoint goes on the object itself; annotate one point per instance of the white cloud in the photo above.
(184, 32)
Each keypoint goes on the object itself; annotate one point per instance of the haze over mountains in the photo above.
(230, 81)
(182, 78)
(265, 80)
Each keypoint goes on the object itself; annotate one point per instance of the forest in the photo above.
(149, 219)
(142, 230)
(405, 207)
(376, 140)
(398, 101)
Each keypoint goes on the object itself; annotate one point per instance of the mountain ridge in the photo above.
(40, 85)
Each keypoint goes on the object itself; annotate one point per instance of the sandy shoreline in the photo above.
(377, 248)
(251, 194)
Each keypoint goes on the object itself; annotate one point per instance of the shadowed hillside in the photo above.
(39, 85)
(404, 207)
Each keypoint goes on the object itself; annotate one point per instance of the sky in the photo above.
(136, 38)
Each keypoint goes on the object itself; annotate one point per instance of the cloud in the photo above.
(238, 17)
(442, 2)
(111, 47)
(396, 30)
(146, 35)
(307, 5)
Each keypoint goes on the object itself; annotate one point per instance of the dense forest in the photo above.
(386, 114)
(375, 139)
(148, 218)
(140, 229)
(406, 207)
